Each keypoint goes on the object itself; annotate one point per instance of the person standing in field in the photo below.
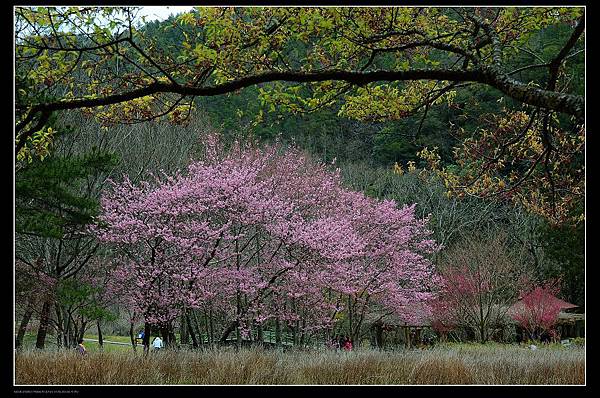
(81, 348)
(348, 344)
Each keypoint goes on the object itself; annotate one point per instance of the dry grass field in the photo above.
(441, 365)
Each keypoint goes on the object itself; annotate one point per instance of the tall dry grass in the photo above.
(513, 365)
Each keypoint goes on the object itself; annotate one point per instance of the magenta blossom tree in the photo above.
(256, 234)
(537, 310)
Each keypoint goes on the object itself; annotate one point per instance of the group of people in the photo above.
(342, 343)
(157, 343)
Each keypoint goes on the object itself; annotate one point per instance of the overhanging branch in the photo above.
(565, 103)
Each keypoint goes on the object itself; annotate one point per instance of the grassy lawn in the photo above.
(94, 346)
(119, 339)
(91, 346)
(454, 364)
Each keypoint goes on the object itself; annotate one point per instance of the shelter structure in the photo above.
(569, 324)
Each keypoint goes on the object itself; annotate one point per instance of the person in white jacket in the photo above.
(157, 343)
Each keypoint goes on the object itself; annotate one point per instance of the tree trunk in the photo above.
(378, 335)
(211, 325)
(302, 337)
(172, 337)
(238, 338)
(100, 340)
(146, 341)
(191, 330)
(230, 328)
(350, 317)
(72, 331)
(295, 333)
(356, 334)
(184, 336)
(67, 331)
(81, 330)
(296, 327)
(44, 321)
(132, 336)
(168, 335)
(164, 334)
(482, 334)
(23, 325)
(259, 329)
(277, 332)
(207, 328)
(60, 330)
(259, 332)
(197, 328)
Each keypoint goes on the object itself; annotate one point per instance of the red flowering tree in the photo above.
(257, 234)
(443, 319)
(479, 281)
(537, 310)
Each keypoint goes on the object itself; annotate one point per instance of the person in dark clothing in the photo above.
(81, 348)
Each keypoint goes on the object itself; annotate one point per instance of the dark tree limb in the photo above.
(23, 137)
(566, 103)
(490, 75)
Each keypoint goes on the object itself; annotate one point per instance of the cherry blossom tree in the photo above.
(257, 234)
